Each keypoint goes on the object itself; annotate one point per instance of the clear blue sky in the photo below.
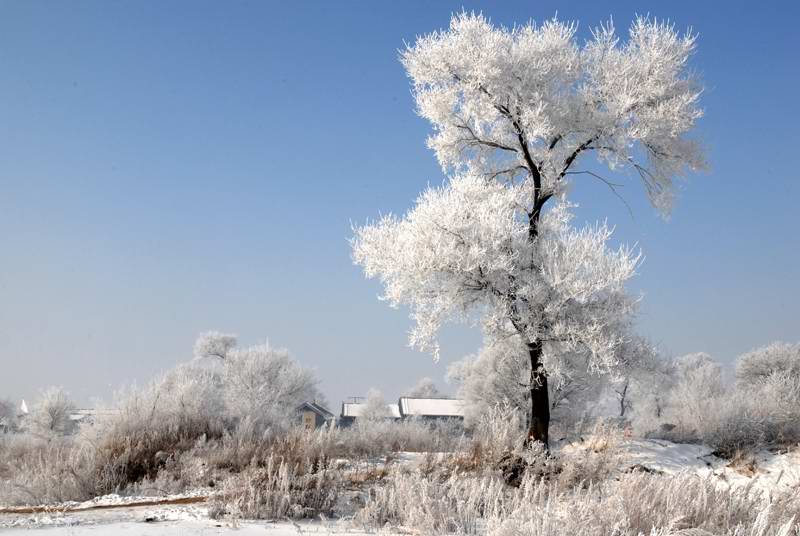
(172, 167)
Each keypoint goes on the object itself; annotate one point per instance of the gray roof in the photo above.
(316, 408)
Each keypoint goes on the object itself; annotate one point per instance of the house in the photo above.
(432, 409)
(351, 411)
(90, 415)
(312, 415)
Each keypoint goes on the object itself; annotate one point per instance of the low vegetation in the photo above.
(179, 434)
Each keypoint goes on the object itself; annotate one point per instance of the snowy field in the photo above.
(187, 514)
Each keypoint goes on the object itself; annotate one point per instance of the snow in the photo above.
(765, 470)
(115, 514)
(183, 528)
(165, 521)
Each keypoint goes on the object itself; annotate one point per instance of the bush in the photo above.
(278, 490)
(629, 504)
(155, 424)
(761, 363)
(759, 411)
(51, 414)
(641, 503)
(753, 416)
(41, 471)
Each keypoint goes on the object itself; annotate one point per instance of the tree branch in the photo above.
(612, 186)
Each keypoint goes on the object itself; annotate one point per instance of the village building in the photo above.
(431, 409)
(427, 409)
(313, 415)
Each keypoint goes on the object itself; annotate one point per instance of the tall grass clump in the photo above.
(45, 471)
(632, 504)
(278, 489)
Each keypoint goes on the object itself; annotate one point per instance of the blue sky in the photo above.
(173, 167)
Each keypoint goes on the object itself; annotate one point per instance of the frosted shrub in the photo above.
(372, 438)
(639, 504)
(50, 415)
(596, 460)
(498, 432)
(432, 506)
(8, 416)
(632, 504)
(265, 385)
(155, 422)
(761, 363)
(278, 490)
(761, 414)
(37, 471)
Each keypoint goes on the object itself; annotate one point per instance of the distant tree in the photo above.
(514, 112)
(761, 363)
(214, 344)
(639, 365)
(698, 384)
(425, 388)
(266, 385)
(375, 408)
(8, 414)
(191, 395)
(51, 413)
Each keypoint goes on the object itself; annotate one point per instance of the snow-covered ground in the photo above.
(767, 471)
(186, 514)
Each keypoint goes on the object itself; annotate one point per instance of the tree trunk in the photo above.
(539, 426)
(622, 396)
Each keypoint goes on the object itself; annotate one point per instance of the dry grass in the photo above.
(277, 490)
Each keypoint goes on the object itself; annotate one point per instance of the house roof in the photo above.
(89, 413)
(431, 407)
(316, 408)
(355, 409)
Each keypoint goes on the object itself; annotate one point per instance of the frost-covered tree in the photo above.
(464, 251)
(497, 376)
(189, 393)
(697, 385)
(425, 388)
(8, 415)
(639, 369)
(51, 413)
(761, 363)
(526, 104)
(515, 112)
(375, 408)
(266, 385)
(214, 344)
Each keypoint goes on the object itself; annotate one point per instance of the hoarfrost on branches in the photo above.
(761, 363)
(525, 104)
(463, 251)
(214, 344)
(375, 408)
(51, 413)
(425, 388)
(266, 384)
(514, 112)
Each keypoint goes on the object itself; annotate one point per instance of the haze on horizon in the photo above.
(171, 169)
